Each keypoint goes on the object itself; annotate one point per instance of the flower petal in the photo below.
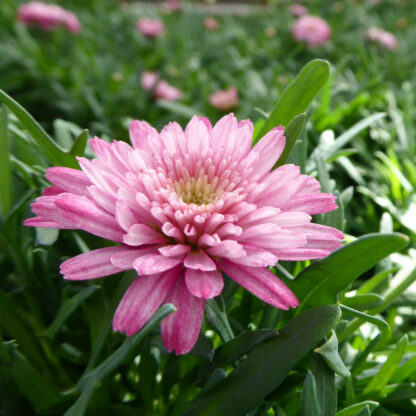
(142, 299)
(155, 263)
(262, 283)
(198, 260)
(70, 180)
(204, 284)
(180, 329)
(140, 234)
(91, 265)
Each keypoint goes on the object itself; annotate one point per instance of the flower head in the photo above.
(151, 28)
(164, 91)
(48, 16)
(384, 38)
(224, 100)
(211, 24)
(298, 9)
(184, 206)
(311, 29)
(149, 79)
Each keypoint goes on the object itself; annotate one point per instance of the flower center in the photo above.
(197, 191)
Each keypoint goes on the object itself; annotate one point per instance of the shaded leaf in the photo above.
(310, 405)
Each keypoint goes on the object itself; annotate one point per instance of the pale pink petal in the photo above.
(204, 284)
(229, 249)
(262, 283)
(155, 263)
(142, 299)
(311, 203)
(268, 149)
(125, 260)
(88, 217)
(222, 130)
(298, 254)
(180, 329)
(140, 234)
(175, 250)
(199, 260)
(256, 257)
(197, 136)
(69, 180)
(91, 265)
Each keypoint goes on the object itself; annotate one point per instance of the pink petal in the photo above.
(262, 283)
(140, 234)
(197, 136)
(256, 257)
(298, 254)
(229, 249)
(125, 260)
(222, 130)
(155, 263)
(141, 301)
(269, 149)
(180, 330)
(88, 217)
(174, 250)
(198, 260)
(311, 203)
(204, 284)
(43, 223)
(91, 265)
(70, 180)
(44, 207)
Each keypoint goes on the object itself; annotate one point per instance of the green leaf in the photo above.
(32, 384)
(356, 408)
(362, 357)
(405, 371)
(51, 150)
(329, 352)
(298, 95)
(266, 366)
(321, 282)
(6, 185)
(69, 306)
(383, 376)
(218, 320)
(89, 381)
(203, 348)
(291, 133)
(364, 412)
(310, 406)
(78, 148)
(372, 319)
(234, 349)
(325, 386)
(363, 302)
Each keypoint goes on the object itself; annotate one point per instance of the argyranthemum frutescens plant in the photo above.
(150, 380)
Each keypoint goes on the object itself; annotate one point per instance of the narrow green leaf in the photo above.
(6, 185)
(321, 282)
(219, 320)
(329, 352)
(405, 371)
(298, 95)
(372, 283)
(51, 150)
(363, 302)
(362, 357)
(383, 376)
(69, 306)
(372, 319)
(203, 348)
(216, 376)
(358, 407)
(310, 405)
(399, 392)
(78, 148)
(32, 384)
(325, 385)
(266, 366)
(291, 133)
(364, 412)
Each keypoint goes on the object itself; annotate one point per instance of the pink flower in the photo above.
(298, 10)
(165, 91)
(184, 206)
(149, 80)
(48, 16)
(211, 24)
(151, 28)
(171, 5)
(386, 39)
(311, 29)
(224, 100)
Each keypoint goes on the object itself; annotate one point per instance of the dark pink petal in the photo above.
(43, 223)
(70, 180)
(180, 329)
(142, 299)
(204, 284)
(140, 234)
(125, 260)
(198, 260)
(155, 263)
(262, 283)
(268, 149)
(88, 217)
(229, 249)
(91, 265)
(44, 207)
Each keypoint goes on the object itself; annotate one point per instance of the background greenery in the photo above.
(355, 358)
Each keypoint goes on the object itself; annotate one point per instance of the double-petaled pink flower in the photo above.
(311, 29)
(185, 207)
(151, 28)
(384, 38)
(48, 16)
(224, 100)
